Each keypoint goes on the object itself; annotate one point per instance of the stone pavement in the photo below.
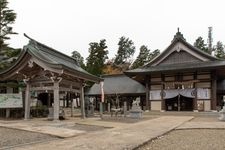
(126, 136)
(119, 136)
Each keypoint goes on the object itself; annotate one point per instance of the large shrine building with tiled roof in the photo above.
(182, 78)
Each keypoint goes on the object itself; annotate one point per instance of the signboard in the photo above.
(11, 101)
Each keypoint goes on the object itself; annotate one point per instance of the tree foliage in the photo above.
(200, 44)
(153, 54)
(125, 51)
(219, 50)
(97, 56)
(142, 57)
(9, 56)
(7, 17)
(80, 60)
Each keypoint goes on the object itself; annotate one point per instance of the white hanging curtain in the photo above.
(170, 93)
(190, 93)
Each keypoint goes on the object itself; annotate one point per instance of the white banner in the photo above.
(203, 93)
(155, 95)
(11, 101)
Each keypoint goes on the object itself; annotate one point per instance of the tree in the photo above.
(80, 60)
(7, 17)
(125, 51)
(8, 57)
(153, 54)
(97, 57)
(200, 44)
(219, 50)
(142, 58)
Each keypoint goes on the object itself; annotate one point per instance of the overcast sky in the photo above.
(68, 25)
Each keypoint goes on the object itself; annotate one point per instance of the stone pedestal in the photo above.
(222, 114)
(50, 113)
(136, 111)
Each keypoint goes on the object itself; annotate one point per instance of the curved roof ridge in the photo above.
(55, 52)
(179, 38)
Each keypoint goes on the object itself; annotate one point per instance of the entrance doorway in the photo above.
(45, 98)
(179, 103)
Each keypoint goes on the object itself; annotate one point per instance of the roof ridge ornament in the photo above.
(178, 35)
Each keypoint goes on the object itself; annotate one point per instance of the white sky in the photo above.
(68, 25)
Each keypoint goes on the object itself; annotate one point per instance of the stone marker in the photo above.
(136, 111)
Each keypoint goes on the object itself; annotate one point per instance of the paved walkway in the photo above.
(127, 136)
(119, 136)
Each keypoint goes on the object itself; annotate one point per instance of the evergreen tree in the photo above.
(80, 60)
(7, 17)
(200, 44)
(219, 50)
(142, 58)
(153, 54)
(125, 51)
(97, 57)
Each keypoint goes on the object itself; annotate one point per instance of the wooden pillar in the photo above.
(27, 101)
(124, 108)
(56, 101)
(163, 104)
(7, 112)
(195, 106)
(72, 104)
(148, 103)
(214, 91)
(49, 100)
(82, 101)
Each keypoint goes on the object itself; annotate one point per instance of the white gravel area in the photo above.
(12, 137)
(191, 139)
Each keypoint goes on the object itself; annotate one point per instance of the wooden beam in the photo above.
(147, 82)
(27, 101)
(42, 88)
(82, 105)
(68, 90)
(56, 101)
(71, 83)
(196, 94)
(214, 90)
(163, 104)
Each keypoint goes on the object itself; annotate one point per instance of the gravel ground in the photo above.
(12, 137)
(207, 139)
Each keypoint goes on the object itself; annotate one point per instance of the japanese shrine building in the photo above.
(182, 78)
(45, 70)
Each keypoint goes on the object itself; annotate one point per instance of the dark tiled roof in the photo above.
(179, 67)
(117, 84)
(54, 59)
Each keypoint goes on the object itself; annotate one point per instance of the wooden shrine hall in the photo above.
(182, 78)
(44, 69)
